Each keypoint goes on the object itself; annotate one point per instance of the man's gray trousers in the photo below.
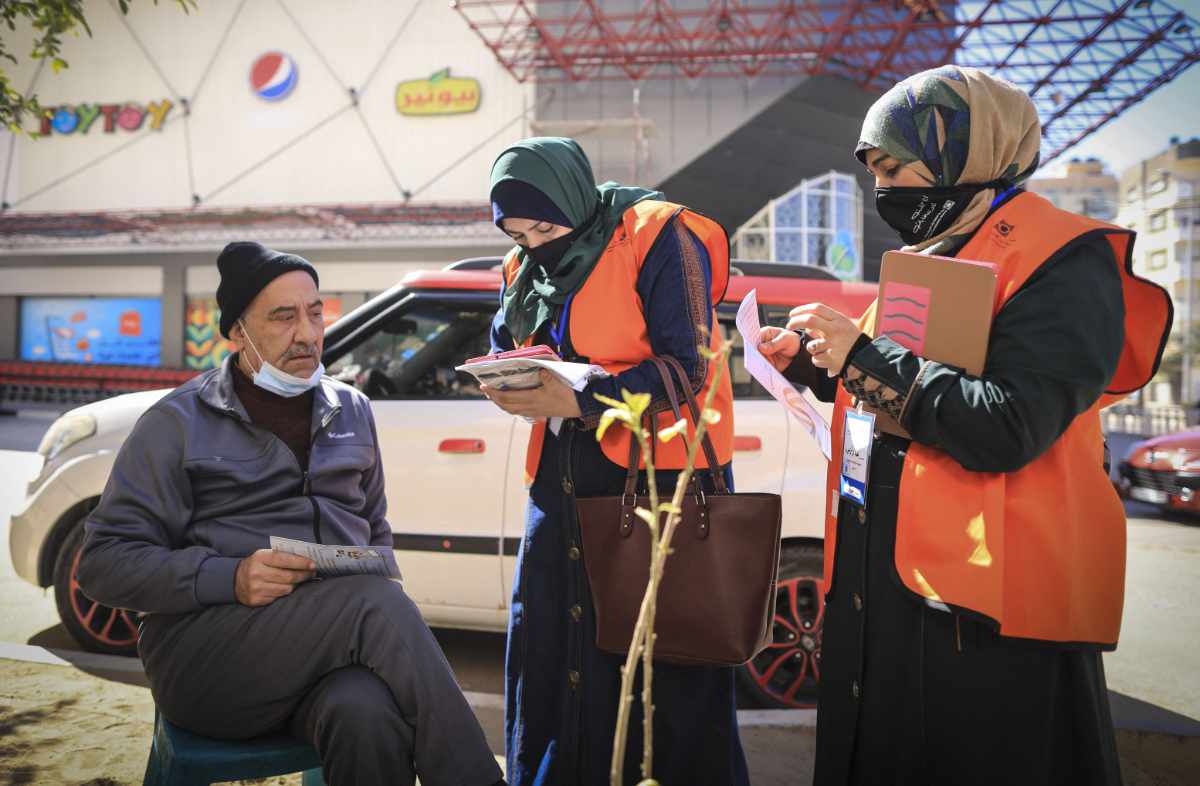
(347, 664)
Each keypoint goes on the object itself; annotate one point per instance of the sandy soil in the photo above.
(59, 725)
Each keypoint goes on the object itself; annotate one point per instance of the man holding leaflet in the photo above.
(236, 641)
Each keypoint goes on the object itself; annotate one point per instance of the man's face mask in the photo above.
(923, 212)
(280, 382)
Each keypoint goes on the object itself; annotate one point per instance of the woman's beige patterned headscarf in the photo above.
(956, 126)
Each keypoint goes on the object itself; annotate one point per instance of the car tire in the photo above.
(94, 626)
(785, 675)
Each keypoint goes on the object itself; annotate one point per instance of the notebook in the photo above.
(940, 308)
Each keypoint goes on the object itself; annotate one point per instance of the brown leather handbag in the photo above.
(716, 601)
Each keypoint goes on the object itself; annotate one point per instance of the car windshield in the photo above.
(414, 353)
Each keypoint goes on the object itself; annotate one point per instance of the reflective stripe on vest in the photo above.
(1040, 551)
(608, 327)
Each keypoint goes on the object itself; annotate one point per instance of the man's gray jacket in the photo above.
(197, 486)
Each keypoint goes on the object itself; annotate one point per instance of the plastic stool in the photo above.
(180, 758)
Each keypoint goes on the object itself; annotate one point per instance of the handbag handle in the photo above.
(665, 364)
(694, 407)
(631, 474)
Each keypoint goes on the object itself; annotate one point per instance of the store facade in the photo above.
(362, 146)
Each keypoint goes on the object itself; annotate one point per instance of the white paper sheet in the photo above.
(342, 560)
(783, 391)
(522, 373)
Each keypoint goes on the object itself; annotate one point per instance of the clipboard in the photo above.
(937, 307)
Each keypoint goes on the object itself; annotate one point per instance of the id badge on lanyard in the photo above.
(858, 438)
(559, 332)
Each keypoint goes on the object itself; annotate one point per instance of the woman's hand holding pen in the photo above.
(831, 335)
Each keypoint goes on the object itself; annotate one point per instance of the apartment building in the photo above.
(1085, 188)
(1159, 198)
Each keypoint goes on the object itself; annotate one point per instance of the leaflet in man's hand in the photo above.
(519, 369)
(776, 384)
(342, 560)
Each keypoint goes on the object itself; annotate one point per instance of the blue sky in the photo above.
(1146, 128)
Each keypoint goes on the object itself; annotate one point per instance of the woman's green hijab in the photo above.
(559, 169)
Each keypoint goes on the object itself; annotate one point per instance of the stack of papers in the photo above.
(519, 369)
(784, 392)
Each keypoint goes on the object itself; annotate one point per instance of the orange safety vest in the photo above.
(1041, 551)
(608, 327)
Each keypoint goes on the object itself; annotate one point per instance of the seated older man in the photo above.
(237, 641)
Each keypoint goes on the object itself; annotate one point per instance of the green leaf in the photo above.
(58, 64)
(609, 401)
(607, 419)
(637, 402)
(673, 431)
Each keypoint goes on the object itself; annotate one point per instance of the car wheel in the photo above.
(96, 627)
(785, 674)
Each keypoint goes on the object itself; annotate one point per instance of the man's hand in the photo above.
(267, 575)
(553, 399)
(778, 346)
(833, 335)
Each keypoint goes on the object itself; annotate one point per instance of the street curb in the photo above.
(795, 719)
(95, 662)
(88, 661)
(1149, 722)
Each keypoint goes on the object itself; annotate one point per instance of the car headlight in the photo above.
(64, 433)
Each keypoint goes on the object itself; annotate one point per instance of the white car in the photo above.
(457, 550)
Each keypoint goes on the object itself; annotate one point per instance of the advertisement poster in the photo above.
(118, 331)
(205, 348)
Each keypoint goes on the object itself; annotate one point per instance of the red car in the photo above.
(1165, 471)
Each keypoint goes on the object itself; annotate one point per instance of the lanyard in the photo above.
(1003, 195)
(560, 332)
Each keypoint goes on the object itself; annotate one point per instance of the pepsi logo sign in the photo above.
(273, 76)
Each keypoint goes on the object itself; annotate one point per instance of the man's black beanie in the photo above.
(246, 268)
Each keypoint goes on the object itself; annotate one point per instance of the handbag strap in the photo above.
(631, 475)
(694, 407)
(665, 365)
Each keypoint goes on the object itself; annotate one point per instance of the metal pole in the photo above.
(1187, 226)
(637, 133)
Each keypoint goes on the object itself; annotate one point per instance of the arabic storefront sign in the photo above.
(440, 94)
(107, 118)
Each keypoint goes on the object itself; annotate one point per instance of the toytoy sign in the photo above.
(81, 118)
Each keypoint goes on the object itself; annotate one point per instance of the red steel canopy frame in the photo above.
(1083, 61)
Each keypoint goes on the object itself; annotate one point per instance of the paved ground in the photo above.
(57, 719)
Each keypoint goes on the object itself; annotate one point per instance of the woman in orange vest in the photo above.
(614, 276)
(970, 594)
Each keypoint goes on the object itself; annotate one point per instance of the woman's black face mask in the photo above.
(549, 253)
(922, 212)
